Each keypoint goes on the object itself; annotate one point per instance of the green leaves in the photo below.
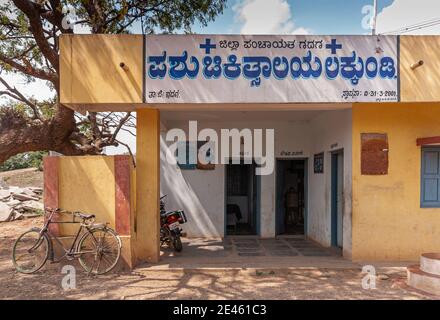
(169, 16)
(24, 160)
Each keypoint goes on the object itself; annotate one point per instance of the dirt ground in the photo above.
(30, 177)
(145, 283)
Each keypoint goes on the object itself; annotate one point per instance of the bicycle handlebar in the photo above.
(84, 216)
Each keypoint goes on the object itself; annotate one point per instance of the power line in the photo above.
(414, 27)
(417, 26)
(419, 23)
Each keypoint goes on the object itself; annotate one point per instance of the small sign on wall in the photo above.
(290, 153)
(374, 153)
(318, 163)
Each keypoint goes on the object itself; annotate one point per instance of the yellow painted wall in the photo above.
(87, 184)
(387, 222)
(91, 78)
(422, 83)
(90, 71)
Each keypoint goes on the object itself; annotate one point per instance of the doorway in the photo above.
(291, 179)
(337, 198)
(242, 199)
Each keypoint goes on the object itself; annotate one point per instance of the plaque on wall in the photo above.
(206, 166)
(318, 163)
(374, 153)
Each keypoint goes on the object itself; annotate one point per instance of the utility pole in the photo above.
(373, 20)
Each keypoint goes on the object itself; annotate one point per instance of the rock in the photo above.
(13, 203)
(28, 192)
(36, 190)
(19, 208)
(32, 205)
(5, 212)
(4, 194)
(27, 215)
(3, 183)
(23, 197)
(18, 215)
(15, 189)
(383, 276)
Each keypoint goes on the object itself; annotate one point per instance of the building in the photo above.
(356, 123)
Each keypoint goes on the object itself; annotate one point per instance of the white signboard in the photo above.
(270, 69)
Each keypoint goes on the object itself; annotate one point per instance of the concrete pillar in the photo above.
(122, 195)
(124, 210)
(147, 185)
(51, 193)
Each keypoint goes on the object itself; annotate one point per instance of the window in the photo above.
(189, 162)
(430, 176)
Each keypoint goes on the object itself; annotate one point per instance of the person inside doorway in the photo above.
(291, 207)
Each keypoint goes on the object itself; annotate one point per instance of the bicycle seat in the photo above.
(85, 216)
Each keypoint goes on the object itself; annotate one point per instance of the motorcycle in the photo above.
(170, 231)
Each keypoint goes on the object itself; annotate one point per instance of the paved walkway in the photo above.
(245, 252)
(288, 247)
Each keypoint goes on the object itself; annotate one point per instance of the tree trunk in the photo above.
(20, 135)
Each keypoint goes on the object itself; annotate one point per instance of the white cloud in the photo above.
(266, 17)
(403, 13)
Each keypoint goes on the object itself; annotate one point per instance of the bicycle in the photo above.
(97, 247)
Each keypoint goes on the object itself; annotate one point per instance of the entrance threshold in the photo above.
(290, 236)
(251, 252)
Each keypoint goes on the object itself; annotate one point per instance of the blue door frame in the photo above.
(334, 196)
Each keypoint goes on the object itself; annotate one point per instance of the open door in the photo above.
(242, 199)
(290, 197)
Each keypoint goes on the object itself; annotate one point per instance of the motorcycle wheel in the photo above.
(177, 244)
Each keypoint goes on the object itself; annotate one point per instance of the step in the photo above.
(423, 281)
(430, 263)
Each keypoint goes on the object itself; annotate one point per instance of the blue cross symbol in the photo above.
(333, 46)
(207, 46)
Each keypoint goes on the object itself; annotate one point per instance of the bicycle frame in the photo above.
(71, 252)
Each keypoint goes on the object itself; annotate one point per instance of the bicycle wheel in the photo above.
(30, 251)
(177, 244)
(99, 250)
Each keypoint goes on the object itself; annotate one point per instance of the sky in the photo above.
(319, 16)
(296, 17)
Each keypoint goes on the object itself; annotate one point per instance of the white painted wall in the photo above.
(331, 131)
(201, 193)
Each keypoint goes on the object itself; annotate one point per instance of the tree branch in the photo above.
(29, 70)
(19, 96)
(32, 11)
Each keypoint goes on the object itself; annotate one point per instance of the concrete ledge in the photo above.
(423, 281)
(430, 263)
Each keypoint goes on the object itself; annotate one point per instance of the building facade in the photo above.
(356, 134)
